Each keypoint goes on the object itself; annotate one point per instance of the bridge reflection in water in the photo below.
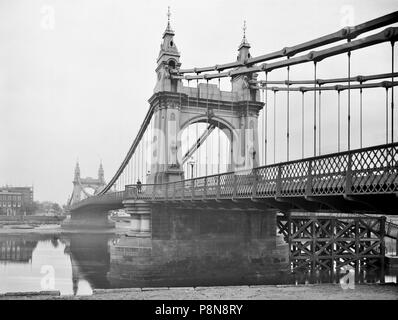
(240, 250)
(201, 248)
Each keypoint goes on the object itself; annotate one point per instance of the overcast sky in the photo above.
(75, 75)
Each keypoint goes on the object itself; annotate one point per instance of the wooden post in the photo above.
(314, 240)
(333, 240)
(357, 244)
(289, 237)
(382, 246)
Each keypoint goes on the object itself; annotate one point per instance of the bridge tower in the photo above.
(177, 106)
(81, 184)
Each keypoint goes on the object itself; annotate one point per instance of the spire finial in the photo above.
(168, 17)
(244, 30)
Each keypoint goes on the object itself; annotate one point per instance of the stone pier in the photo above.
(140, 212)
(89, 219)
(197, 247)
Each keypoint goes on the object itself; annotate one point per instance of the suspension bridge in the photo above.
(210, 145)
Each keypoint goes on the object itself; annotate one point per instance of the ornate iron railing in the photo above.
(372, 170)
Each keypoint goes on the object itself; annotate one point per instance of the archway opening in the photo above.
(205, 150)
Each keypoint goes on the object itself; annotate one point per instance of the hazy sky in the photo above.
(75, 75)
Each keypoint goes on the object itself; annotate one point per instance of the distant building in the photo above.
(16, 200)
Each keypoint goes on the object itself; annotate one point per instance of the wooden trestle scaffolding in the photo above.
(331, 243)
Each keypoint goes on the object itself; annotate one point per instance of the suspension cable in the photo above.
(392, 91)
(274, 126)
(231, 151)
(197, 133)
(302, 124)
(266, 120)
(349, 99)
(287, 113)
(207, 128)
(360, 117)
(386, 115)
(319, 122)
(188, 144)
(218, 124)
(338, 120)
(314, 108)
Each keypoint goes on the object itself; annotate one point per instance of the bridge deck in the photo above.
(367, 173)
(360, 172)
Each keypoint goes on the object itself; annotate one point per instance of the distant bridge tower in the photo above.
(176, 107)
(81, 184)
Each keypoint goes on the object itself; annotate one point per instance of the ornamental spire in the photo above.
(244, 42)
(168, 19)
(244, 32)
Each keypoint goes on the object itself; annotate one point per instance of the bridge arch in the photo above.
(219, 122)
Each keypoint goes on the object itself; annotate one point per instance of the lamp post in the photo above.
(191, 162)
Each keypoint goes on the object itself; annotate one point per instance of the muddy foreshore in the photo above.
(266, 292)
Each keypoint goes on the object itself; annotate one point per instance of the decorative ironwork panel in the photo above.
(294, 178)
(211, 187)
(375, 171)
(226, 186)
(199, 186)
(267, 180)
(244, 184)
(329, 174)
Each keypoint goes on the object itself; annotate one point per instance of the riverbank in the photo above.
(266, 292)
(122, 227)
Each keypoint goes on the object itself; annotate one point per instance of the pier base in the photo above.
(88, 220)
(140, 212)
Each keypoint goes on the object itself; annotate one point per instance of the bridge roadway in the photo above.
(362, 180)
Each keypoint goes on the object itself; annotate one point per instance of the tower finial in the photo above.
(168, 17)
(244, 31)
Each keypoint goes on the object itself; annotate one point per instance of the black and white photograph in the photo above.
(198, 154)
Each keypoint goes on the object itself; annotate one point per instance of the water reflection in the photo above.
(89, 258)
(28, 261)
(16, 249)
(201, 248)
(183, 251)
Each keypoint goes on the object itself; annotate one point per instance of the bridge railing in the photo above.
(372, 170)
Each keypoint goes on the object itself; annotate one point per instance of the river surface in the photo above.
(78, 263)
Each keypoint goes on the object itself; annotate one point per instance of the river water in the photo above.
(185, 250)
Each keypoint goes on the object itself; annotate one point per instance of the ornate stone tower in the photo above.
(167, 105)
(247, 100)
(175, 107)
(80, 184)
(169, 58)
(76, 194)
(77, 172)
(101, 176)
